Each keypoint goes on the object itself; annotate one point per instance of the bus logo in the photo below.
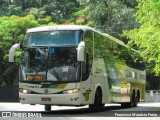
(46, 91)
(86, 94)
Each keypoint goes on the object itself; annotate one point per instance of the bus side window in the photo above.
(87, 64)
(122, 55)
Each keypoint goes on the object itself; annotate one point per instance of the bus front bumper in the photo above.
(51, 99)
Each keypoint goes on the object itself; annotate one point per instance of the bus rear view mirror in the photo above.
(12, 51)
(80, 52)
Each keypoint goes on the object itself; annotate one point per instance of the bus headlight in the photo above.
(71, 91)
(25, 91)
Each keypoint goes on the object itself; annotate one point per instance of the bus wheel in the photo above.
(124, 105)
(130, 104)
(47, 107)
(135, 101)
(97, 102)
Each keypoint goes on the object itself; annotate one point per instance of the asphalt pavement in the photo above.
(7, 108)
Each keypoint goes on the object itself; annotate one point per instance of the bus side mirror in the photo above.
(12, 51)
(80, 52)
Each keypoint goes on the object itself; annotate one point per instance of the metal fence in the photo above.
(152, 96)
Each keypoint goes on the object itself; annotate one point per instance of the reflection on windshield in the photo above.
(51, 64)
(38, 58)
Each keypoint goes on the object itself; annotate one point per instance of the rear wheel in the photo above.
(132, 103)
(97, 102)
(47, 107)
(135, 101)
(124, 105)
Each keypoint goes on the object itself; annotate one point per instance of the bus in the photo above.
(74, 65)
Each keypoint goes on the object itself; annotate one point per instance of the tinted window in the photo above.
(51, 38)
(87, 64)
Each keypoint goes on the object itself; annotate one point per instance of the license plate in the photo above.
(46, 99)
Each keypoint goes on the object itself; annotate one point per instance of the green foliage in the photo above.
(147, 36)
(111, 16)
(14, 10)
(59, 10)
(38, 13)
(78, 13)
(12, 30)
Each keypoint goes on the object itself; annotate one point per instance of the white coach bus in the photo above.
(71, 65)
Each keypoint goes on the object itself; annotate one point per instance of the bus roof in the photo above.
(72, 27)
(60, 27)
(75, 27)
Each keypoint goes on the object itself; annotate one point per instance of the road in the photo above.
(113, 111)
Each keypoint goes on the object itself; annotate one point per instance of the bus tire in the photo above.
(97, 102)
(135, 101)
(124, 105)
(132, 103)
(47, 107)
(138, 95)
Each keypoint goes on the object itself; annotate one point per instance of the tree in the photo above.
(111, 16)
(12, 30)
(147, 36)
(25, 4)
(61, 9)
(4, 6)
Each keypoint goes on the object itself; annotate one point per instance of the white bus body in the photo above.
(76, 65)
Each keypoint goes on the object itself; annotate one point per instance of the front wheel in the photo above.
(47, 107)
(97, 102)
(135, 101)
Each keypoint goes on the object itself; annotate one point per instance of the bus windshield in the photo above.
(52, 38)
(51, 64)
